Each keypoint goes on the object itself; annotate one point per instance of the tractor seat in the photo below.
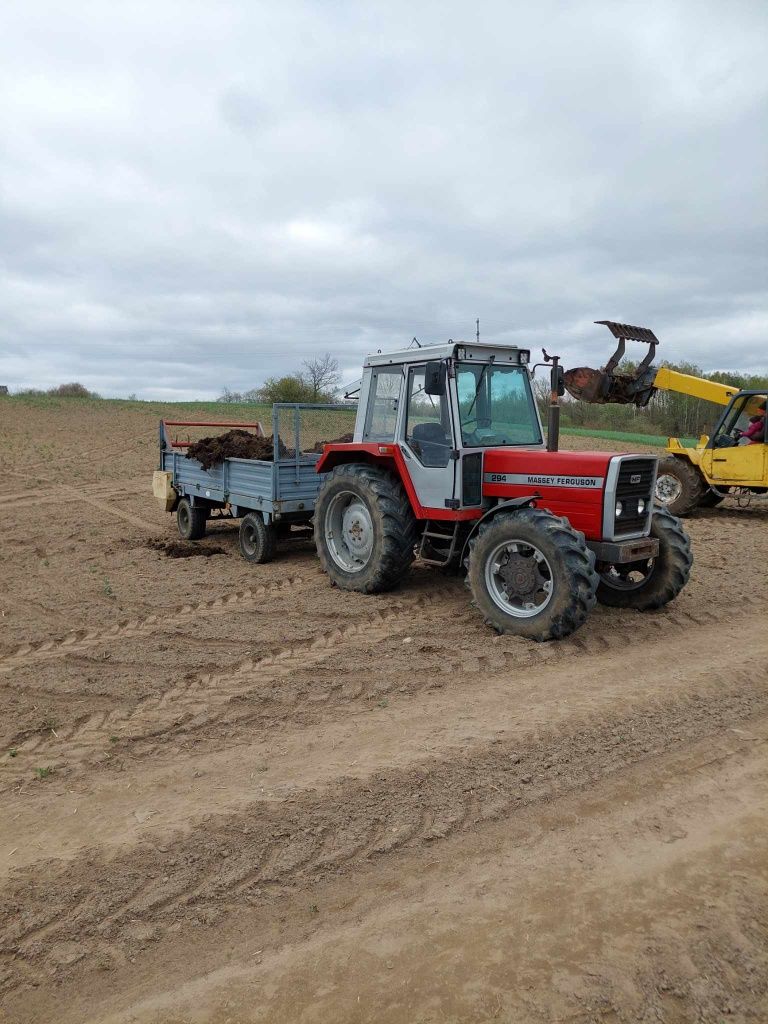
(431, 443)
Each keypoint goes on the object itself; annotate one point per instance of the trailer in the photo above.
(271, 498)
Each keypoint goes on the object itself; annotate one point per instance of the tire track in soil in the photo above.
(259, 858)
(202, 702)
(84, 639)
(201, 699)
(101, 490)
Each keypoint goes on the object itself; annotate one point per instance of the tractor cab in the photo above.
(444, 406)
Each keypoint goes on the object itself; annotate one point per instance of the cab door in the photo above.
(725, 461)
(427, 442)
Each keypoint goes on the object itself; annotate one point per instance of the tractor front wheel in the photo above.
(653, 582)
(365, 530)
(680, 487)
(531, 574)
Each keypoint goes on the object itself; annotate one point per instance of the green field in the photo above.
(617, 435)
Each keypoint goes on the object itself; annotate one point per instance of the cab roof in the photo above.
(466, 350)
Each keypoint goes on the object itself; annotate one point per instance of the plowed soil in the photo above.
(232, 793)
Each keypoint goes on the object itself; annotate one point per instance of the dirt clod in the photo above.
(177, 549)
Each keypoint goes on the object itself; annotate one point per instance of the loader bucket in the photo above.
(600, 388)
(606, 386)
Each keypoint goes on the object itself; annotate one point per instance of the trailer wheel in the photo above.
(531, 574)
(190, 519)
(680, 486)
(653, 582)
(365, 530)
(257, 539)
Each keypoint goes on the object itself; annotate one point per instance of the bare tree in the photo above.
(321, 375)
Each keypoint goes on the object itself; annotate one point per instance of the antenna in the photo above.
(477, 329)
(416, 342)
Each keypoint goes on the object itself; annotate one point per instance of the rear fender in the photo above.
(512, 505)
(389, 457)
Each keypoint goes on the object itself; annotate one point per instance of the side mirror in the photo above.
(435, 375)
(558, 380)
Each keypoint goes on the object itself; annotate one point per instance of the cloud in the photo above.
(200, 195)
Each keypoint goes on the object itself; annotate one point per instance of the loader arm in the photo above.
(696, 387)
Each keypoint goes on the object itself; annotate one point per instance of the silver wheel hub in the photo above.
(668, 489)
(349, 531)
(519, 579)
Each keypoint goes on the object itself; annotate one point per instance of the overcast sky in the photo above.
(199, 194)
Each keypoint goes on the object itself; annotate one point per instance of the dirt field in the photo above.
(230, 793)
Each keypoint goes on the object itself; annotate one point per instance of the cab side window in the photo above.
(428, 424)
(380, 424)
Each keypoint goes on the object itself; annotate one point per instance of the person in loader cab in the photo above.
(755, 432)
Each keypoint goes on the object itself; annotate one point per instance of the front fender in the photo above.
(510, 504)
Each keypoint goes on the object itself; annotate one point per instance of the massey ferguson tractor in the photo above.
(449, 464)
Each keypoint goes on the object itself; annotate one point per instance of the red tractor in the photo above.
(449, 464)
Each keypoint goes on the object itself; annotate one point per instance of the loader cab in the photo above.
(445, 406)
(729, 457)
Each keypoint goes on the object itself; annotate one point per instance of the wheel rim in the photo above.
(632, 576)
(183, 518)
(668, 489)
(349, 531)
(250, 538)
(519, 578)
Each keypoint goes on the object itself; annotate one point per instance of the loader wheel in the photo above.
(190, 519)
(679, 486)
(257, 539)
(531, 574)
(653, 582)
(365, 530)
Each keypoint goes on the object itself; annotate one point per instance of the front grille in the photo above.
(634, 483)
(472, 479)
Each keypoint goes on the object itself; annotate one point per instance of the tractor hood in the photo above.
(569, 484)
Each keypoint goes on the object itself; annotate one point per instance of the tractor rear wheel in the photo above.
(531, 574)
(190, 520)
(679, 486)
(365, 530)
(654, 582)
(257, 539)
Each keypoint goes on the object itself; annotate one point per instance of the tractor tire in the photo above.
(711, 498)
(257, 539)
(190, 520)
(365, 530)
(680, 486)
(532, 575)
(660, 579)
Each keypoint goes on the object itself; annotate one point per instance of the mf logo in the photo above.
(635, 478)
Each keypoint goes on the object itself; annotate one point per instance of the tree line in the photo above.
(317, 381)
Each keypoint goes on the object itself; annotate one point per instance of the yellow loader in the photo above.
(734, 458)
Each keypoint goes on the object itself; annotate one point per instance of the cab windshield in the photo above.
(496, 406)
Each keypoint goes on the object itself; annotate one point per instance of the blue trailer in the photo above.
(270, 498)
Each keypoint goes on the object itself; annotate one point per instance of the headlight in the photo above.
(619, 507)
(641, 506)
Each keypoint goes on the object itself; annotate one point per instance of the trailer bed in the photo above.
(275, 488)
